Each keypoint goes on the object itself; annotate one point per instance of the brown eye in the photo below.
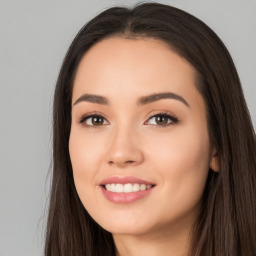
(97, 120)
(163, 119)
(93, 121)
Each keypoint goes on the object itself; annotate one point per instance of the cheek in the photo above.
(182, 162)
(85, 159)
(85, 151)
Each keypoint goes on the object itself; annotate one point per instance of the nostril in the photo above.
(129, 161)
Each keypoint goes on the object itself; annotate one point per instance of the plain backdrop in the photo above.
(34, 37)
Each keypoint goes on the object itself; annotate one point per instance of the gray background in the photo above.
(34, 37)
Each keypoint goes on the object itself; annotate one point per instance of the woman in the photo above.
(153, 146)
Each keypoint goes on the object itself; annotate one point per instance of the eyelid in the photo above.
(160, 112)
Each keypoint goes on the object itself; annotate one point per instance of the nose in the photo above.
(124, 148)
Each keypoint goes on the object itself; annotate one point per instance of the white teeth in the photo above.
(108, 187)
(113, 187)
(126, 188)
(119, 188)
(135, 187)
(143, 187)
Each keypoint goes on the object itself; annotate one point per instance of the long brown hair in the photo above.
(227, 222)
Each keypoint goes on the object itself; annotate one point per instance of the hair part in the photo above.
(227, 223)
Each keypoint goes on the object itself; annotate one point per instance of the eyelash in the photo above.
(174, 120)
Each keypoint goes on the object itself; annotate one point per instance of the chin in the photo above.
(126, 225)
(126, 229)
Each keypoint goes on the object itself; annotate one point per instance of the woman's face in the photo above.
(157, 143)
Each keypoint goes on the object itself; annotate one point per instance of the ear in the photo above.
(214, 163)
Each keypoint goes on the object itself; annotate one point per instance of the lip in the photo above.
(124, 180)
(125, 198)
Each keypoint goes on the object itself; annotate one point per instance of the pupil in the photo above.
(96, 121)
(160, 119)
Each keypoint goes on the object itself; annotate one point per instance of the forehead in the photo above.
(131, 66)
(114, 49)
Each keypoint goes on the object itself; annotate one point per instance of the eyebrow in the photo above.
(141, 101)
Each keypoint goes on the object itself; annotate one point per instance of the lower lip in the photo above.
(125, 198)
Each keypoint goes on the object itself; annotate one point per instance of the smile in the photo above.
(125, 189)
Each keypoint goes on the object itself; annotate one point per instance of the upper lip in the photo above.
(124, 180)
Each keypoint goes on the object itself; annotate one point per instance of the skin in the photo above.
(176, 158)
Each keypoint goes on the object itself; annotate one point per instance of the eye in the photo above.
(93, 121)
(163, 119)
(96, 120)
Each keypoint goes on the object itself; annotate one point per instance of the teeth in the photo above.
(113, 187)
(119, 188)
(143, 187)
(126, 188)
(135, 187)
(108, 187)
